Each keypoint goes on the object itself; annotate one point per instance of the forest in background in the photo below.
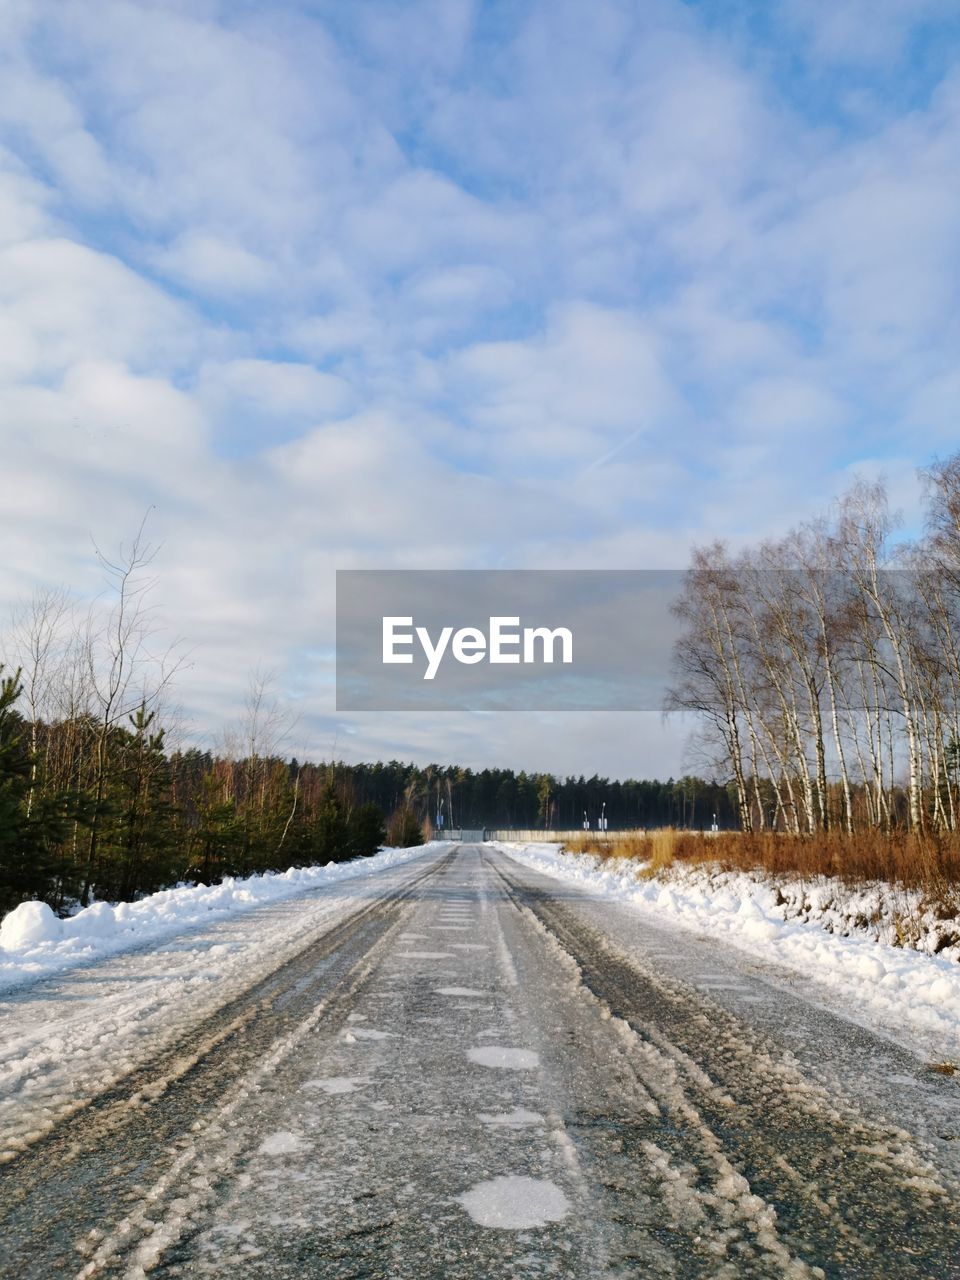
(76, 824)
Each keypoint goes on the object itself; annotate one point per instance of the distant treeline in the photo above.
(109, 815)
(83, 816)
(501, 798)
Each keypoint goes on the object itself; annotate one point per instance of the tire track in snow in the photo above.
(55, 1058)
(737, 1135)
(407, 1176)
(142, 1130)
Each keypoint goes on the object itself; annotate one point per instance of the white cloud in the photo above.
(466, 288)
(274, 389)
(322, 336)
(23, 202)
(209, 264)
(423, 215)
(863, 31)
(38, 107)
(568, 396)
(575, 292)
(69, 302)
(872, 238)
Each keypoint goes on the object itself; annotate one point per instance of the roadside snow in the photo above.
(34, 941)
(900, 989)
(66, 1039)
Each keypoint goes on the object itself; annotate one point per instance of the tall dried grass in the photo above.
(655, 847)
(928, 863)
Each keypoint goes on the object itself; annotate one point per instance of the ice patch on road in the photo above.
(367, 1033)
(424, 955)
(515, 1203)
(460, 991)
(337, 1084)
(495, 1055)
(518, 1118)
(280, 1144)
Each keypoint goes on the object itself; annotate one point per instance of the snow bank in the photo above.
(33, 941)
(29, 924)
(898, 988)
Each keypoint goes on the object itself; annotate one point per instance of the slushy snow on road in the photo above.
(896, 989)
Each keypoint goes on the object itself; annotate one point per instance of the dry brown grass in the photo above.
(903, 858)
(655, 847)
(928, 863)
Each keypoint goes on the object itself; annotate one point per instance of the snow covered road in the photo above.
(461, 1067)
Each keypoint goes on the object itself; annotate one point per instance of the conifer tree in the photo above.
(330, 834)
(31, 865)
(367, 832)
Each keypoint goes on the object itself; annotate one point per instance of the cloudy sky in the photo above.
(459, 283)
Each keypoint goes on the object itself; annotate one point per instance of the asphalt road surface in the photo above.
(475, 1071)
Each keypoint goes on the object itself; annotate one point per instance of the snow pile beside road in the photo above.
(34, 941)
(885, 912)
(900, 987)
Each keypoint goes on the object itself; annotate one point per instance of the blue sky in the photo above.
(452, 284)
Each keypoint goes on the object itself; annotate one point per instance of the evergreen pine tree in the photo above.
(217, 839)
(145, 835)
(330, 835)
(367, 833)
(30, 863)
